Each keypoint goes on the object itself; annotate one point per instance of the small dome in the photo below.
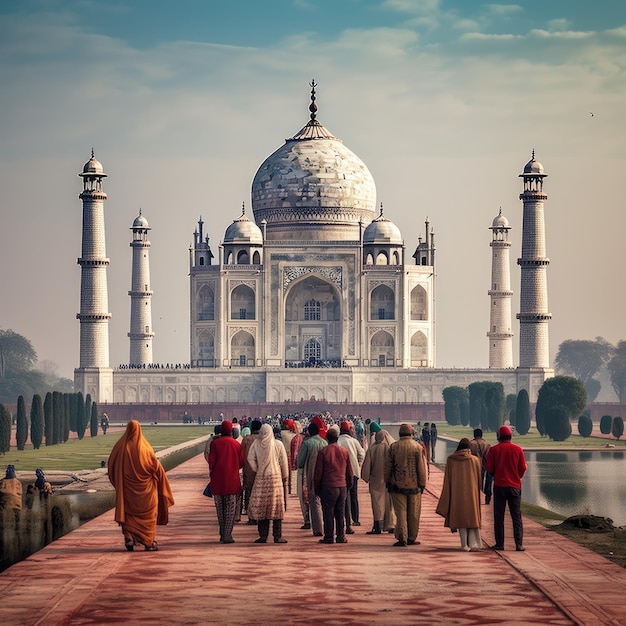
(382, 230)
(499, 221)
(141, 222)
(93, 166)
(243, 230)
(533, 166)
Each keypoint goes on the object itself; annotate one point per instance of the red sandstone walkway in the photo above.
(88, 578)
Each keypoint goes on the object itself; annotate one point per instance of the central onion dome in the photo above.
(313, 188)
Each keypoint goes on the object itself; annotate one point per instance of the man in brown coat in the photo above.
(406, 474)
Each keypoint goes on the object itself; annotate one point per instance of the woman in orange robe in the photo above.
(142, 490)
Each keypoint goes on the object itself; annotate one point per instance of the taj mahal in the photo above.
(310, 294)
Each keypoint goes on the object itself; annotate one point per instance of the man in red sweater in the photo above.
(507, 465)
(333, 478)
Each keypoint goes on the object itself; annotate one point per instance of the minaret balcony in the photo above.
(93, 317)
(535, 262)
(527, 317)
(92, 262)
(140, 294)
(502, 294)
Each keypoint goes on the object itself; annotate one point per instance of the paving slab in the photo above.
(88, 578)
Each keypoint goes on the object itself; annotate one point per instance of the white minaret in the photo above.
(140, 296)
(533, 316)
(500, 335)
(94, 374)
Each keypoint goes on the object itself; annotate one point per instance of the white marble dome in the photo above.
(141, 222)
(243, 230)
(533, 166)
(499, 221)
(313, 187)
(93, 166)
(382, 231)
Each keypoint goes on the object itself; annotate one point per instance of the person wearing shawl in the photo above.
(267, 457)
(11, 490)
(322, 426)
(296, 444)
(225, 461)
(142, 490)
(306, 459)
(248, 472)
(459, 503)
(287, 433)
(373, 473)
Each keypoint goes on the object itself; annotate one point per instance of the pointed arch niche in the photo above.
(313, 332)
(242, 303)
(205, 304)
(382, 303)
(419, 303)
(382, 349)
(419, 350)
(242, 349)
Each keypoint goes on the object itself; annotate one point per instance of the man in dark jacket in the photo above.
(333, 478)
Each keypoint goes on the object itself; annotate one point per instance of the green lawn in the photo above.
(87, 453)
(532, 439)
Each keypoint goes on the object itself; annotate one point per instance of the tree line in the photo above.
(560, 401)
(49, 422)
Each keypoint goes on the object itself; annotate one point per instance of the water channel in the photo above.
(571, 482)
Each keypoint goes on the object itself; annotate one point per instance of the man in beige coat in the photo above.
(406, 474)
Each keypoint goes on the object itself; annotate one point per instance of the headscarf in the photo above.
(227, 428)
(383, 436)
(245, 431)
(375, 427)
(40, 483)
(10, 471)
(264, 448)
(464, 444)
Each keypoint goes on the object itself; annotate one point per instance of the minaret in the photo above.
(500, 335)
(533, 315)
(140, 296)
(94, 374)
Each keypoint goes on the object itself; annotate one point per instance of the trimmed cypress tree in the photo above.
(496, 405)
(36, 422)
(65, 433)
(606, 422)
(57, 420)
(585, 424)
(93, 424)
(558, 426)
(454, 398)
(74, 412)
(48, 419)
(5, 429)
(81, 419)
(617, 429)
(477, 405)
(21, 429)
(522, 412)
(86, 416)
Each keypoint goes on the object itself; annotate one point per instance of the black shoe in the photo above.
(305, 527)
(374, 531)
(356, 523)
(520, 548)
(349, 531)
(318, 534)
(130, 544)
(229, 540)
(326, 541)
(399, 544)
(279, 540)
(261, 540)
(251, 522)
(344, 540)
(487, 499)
(497, 547)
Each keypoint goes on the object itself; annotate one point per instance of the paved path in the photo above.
(88, 578)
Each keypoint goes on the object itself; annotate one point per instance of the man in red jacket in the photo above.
(333, 478)
(506, 462)
(225, 461)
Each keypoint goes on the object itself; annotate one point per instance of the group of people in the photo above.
(253, 470)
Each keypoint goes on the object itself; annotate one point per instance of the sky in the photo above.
(444, 100)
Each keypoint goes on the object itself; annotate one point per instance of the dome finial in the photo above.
(92, 154)
(243, 208)
(313, 106)
(381, 209)
(533, 155)
(139, 210)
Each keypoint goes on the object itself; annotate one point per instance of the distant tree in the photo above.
(454, 398)
(5, 429)
(48, 419)
(606, 423)
(74, 412)
(522, 412)
(86, 411)
(496, 405)
(560, 399)
(617, 370)
(21, 430)
(583, 359)
(477, 405)
(36, 422)
(57, 421)
(585, 424)
(84, 414)
(617, 428)
(511, 401)
(93, 423)
(66, 416)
